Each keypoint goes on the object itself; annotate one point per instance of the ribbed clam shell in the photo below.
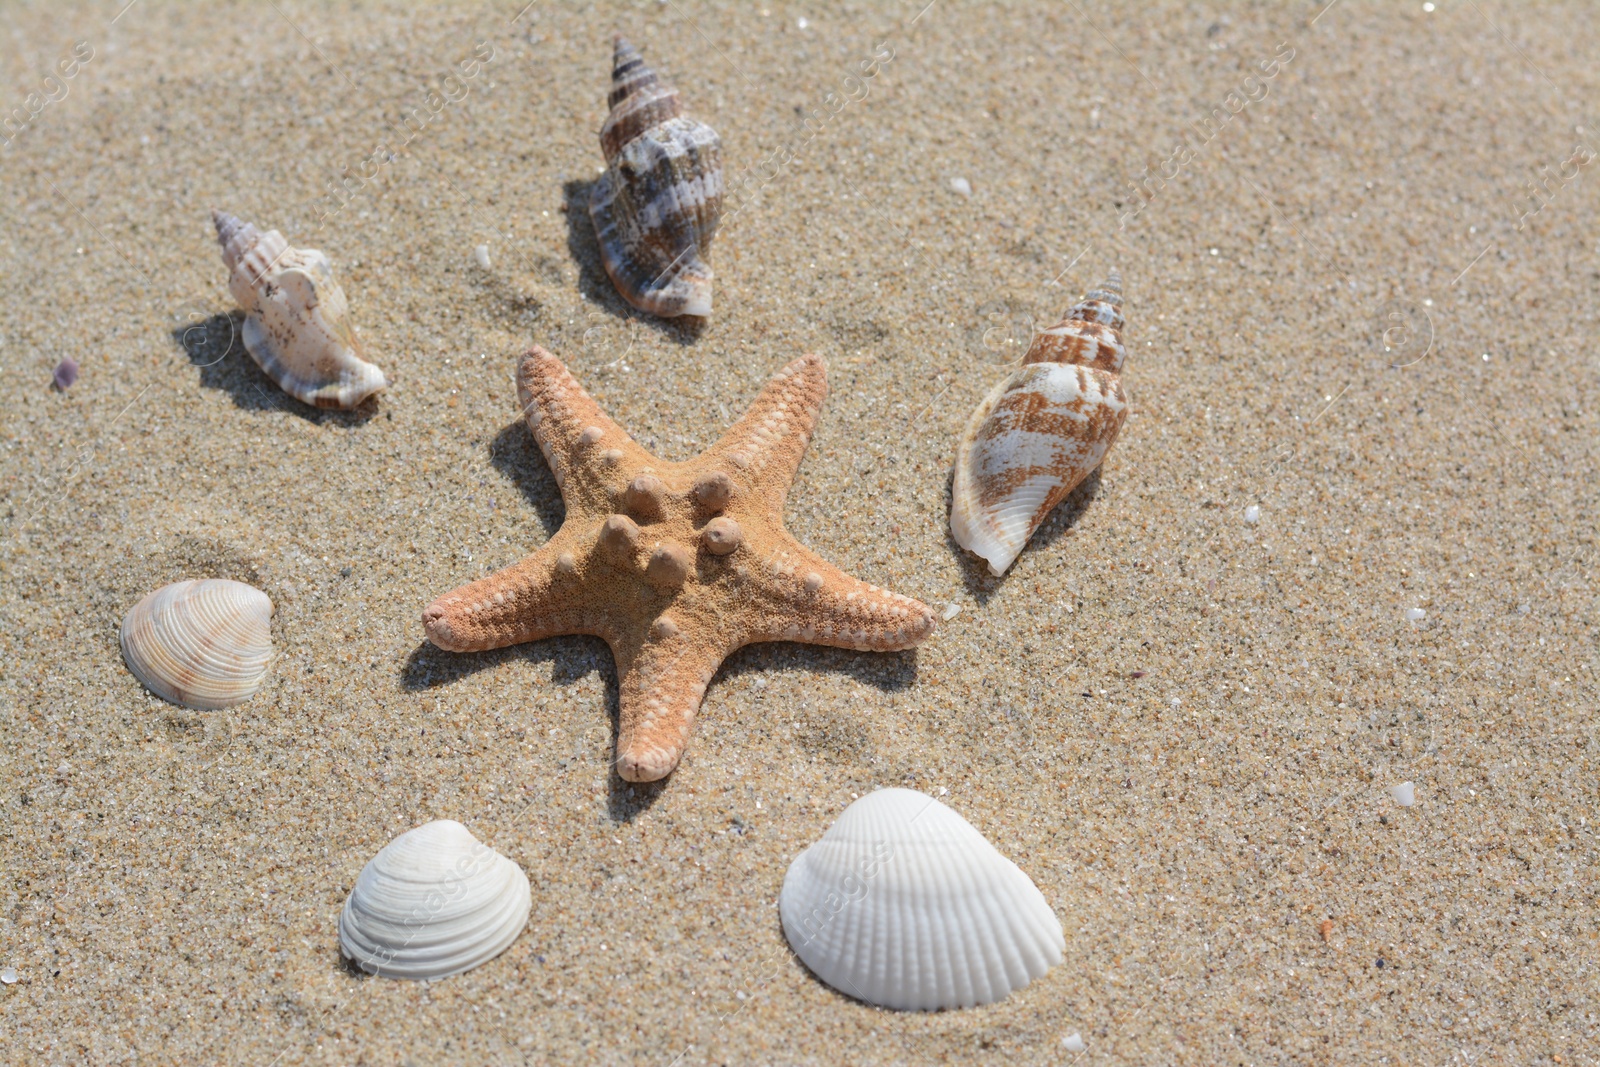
(656, 208)
(433, 902)
(297, 326)
(204, 644)
(904, 904)
(1041, 430)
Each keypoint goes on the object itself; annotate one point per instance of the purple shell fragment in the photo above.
(66, 373)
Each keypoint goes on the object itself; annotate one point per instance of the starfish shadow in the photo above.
(887, 671)
(1063, 517)
(214, 348)
(515, 454)
(836, 734)
(570, 658)
(625, 800)
(596, 284)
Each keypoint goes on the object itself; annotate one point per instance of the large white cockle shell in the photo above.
(297, 323)
(204, 644)
(433, 902)
(904, 904)
(1041, 430)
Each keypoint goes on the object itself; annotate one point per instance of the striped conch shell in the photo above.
(203, 644)
(298, 324)
(656, 208)
(1041, 430)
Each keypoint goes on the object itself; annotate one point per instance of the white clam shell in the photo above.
(297, 325)
(204, 644)
(434, 902)
(904, 904)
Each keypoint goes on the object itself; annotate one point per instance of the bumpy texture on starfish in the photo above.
(675, 565)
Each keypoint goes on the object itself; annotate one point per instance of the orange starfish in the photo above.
(675, 565)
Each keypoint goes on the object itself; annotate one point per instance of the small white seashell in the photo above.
(1041, 430)
(902, 903)
(1252, 514)
(297, 325)
(1073, 1042)
(961, 186)
(1404, 794)
(434, 902)
(203, 644)
(1415, 615)
(9, 976)
(481, 254)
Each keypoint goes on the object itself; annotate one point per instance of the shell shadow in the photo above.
(596, 284)
(980, 584)
(215, 349)
(516, 455)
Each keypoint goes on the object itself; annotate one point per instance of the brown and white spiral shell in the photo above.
(204, 644)
(1042, 430)
(656, 208)
(297, 325)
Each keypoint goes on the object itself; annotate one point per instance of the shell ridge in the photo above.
(657, 206)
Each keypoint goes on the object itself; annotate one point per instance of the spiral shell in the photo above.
(1041, 430)
(203, 644)
(904, 904)
(655, 209)
(433, 902)
(297, 325)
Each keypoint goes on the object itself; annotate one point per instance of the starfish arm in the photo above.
(799, 596)
(661, 680)
(536, 598)
(765, 447)
(579, 441)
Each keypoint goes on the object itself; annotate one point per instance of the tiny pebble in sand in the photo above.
(1073, 1043)
(66, 373)
(961, 185)
(1252, 513)
(481, 254)
(9, 976)
(1404, 794)
(1415, 614)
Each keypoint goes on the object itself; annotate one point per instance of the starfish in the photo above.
(675, 565)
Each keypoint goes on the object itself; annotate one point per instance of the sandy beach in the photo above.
(1346, 539)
